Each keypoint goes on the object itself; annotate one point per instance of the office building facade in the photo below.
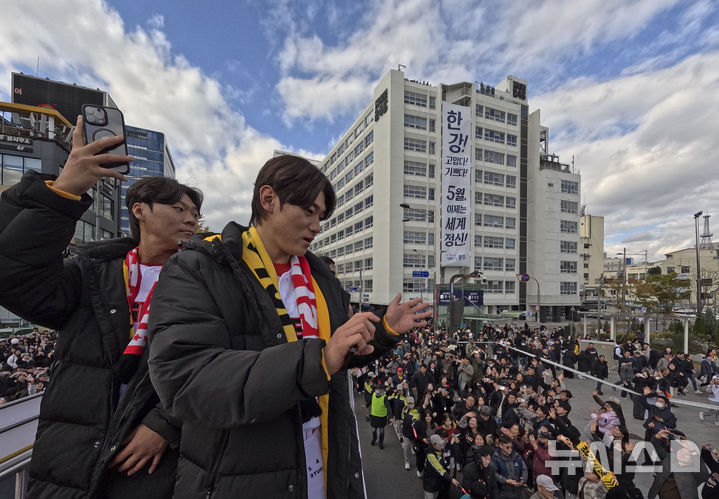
(392, 224)
(152, 159)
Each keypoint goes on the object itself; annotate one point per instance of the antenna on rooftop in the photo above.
(706, 240)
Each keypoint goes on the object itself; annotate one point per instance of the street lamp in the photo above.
(699, 273)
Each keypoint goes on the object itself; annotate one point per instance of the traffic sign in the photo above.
(420, 273)
(365, 295)
(354, 288)
(523, 277)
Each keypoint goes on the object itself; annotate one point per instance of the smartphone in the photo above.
(102, 122)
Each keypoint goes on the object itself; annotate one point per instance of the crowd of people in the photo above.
(24, 364)
(489, 415)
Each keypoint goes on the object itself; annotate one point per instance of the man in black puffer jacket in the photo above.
(249, 342)
(101, 430)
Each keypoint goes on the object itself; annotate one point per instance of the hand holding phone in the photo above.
(83, 167)
(105, 122)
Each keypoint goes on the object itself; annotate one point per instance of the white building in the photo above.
(591, 232)
(392, 155)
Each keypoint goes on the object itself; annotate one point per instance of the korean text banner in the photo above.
(456, 170)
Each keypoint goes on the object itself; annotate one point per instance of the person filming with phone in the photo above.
(102, 432)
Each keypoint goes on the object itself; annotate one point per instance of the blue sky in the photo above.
(630, 88)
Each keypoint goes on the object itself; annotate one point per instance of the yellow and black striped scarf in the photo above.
(259, 261)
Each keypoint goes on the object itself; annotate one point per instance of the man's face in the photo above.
(288, 230)
(167, 224)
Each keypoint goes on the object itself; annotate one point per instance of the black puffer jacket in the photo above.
(221, 363)
(82, 420)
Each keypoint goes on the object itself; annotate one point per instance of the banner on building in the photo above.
(456, 178)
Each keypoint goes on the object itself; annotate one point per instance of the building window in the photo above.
(415, 191)
(493, 200)
(509, 264)
(431, 170)
(511, 140)
(477, 154)
(413, 237)
(368, 243)
(567, 288)
(477, 263)
(686, 270)
(479, 110)
(478, 133)
(511, 160)
(478, 176)
(412, 121)
(417, 145)
(492, 263)
(491, 178)
(570, 187)
(493, 241)
(477, 219)
(432, 102)
(509, 243)
(431, 124)
(368, 222)
(431, 148)
(511, 181)
(567, 246)
(494, 114)
(494, 287)
(493, 221)
(413, 260)
(511, 119)
(494, 136)
(415, 168)
(415, 99)
(568, 226)
(478, 241)
(478, 198)
(511, 202)
(566, 267)
(509, 286)
(420, 216)
(569, 206)
(413, 285)
(511, 222)
(494, 157)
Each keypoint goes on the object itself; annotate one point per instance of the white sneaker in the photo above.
(716, 423)
(419, 474)
(406, 466)
(701, 416)
(698, 392)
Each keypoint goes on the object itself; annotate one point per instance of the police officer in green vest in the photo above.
(379, 411)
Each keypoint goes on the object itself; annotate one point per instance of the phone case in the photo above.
(101, 122)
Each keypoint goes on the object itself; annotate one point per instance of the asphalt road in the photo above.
(386, 478)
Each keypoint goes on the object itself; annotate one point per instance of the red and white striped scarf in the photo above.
(305, 293)
(133, 279)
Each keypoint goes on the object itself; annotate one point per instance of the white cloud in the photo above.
(447, 41)
(656, 175)
(88, 43)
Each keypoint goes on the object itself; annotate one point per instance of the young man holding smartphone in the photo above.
(102, 432)
(250, 340)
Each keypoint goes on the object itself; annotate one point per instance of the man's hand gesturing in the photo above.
(402, 317)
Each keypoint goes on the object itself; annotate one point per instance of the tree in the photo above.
(201, 227)
(659, 293)
(654, 271)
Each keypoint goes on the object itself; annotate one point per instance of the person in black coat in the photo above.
(479, 478)
(601, 371)
(253, 378)
(100, 418)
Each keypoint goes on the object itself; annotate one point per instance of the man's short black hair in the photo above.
(161, 190)
(296, 181)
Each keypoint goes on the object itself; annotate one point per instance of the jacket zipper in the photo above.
(215, 470)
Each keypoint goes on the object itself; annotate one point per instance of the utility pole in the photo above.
(624, 279)
(699, 272)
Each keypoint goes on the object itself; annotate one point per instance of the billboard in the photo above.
(65, 98)
(456, 183)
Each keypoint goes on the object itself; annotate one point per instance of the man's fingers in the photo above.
(366, 350)
(396, 299)
(140, 464)
(120, 457)
(78, 135)
(155, 463)
(365, 315)
(129, 463)
(102, 144)
(108, 172)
